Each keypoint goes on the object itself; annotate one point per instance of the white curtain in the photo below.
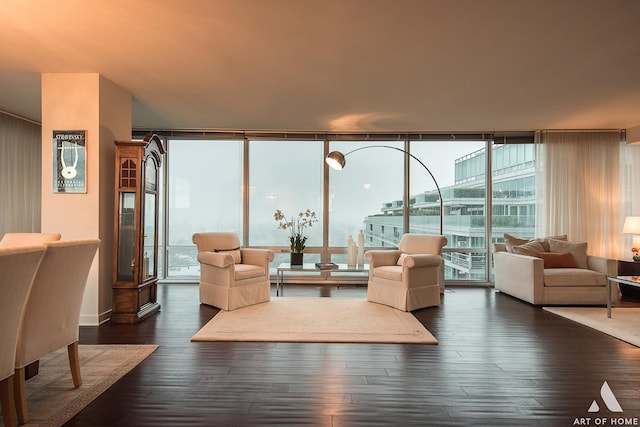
(578, 186)
(20, 172)
(630, 192)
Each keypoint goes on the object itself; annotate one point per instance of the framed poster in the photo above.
(69, 161)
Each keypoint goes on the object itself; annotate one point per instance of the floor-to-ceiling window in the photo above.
(238, 184)
(513, 191)
(459, 167)
(286, 176)
(370, 186)
(204, 193)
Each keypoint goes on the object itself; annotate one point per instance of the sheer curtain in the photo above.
(579, 187)
(20, 172)
(630, 192)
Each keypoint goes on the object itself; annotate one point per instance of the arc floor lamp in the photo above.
(337, 161)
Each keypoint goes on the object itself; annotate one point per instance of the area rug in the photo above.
(624, 323)
(316, 319)
(51, 398)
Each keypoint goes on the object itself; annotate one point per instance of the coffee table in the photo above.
(286, 267)
(625, 280)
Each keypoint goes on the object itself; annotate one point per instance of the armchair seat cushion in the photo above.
(389, 272)
(248, 271)
(573, 277)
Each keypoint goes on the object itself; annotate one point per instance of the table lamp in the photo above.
(632, 226)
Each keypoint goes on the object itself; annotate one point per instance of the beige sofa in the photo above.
(523, 275)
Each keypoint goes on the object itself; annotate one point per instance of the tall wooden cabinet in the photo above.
(135, 270)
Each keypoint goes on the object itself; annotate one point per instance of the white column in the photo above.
(89, 102)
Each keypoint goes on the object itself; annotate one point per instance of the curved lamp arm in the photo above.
(337, 161)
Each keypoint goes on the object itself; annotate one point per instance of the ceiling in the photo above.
(337, 65)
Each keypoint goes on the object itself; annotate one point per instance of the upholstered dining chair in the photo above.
(18, 267)
(52, 312)
(27, 239)
(410, 277)
(232, 277)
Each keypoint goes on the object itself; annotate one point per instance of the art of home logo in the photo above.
(612, 406)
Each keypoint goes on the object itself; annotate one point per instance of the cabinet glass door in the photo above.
(149, 239)
(126, 237)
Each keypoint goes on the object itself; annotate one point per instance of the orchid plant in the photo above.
(296, 225)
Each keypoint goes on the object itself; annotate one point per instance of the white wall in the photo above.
(85, 101)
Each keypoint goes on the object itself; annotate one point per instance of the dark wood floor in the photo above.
(499, 362)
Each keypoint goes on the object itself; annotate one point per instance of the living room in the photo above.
(260, 93)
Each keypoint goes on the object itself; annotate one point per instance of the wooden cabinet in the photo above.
(135, 271)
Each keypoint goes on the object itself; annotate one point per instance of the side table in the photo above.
(631, 281)
(629, 268)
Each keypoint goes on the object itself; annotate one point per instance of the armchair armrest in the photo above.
(515, 274)
(421, 260)
(215, 259)
(378, 257)
(257, 256)
(603, 265)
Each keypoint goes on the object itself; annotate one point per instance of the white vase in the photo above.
(351, 252)
(360, 248)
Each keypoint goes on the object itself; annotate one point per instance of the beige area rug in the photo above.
(316, 319)
(624, 323)
(51, 398)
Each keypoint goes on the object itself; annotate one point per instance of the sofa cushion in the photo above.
(578, 250)
(511, 241)
(567, 277)
(532, 248)
(557, 260)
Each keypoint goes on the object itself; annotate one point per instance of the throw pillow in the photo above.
(510, 241)
(557, 260)
(545, 240)
(532, 248)
(401, 259)
(235, 252)
(577, 249)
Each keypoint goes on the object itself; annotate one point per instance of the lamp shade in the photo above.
(336, 160)
(631, 225)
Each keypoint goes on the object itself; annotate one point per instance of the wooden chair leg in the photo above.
(20, 395)
(7, 402)
(74, 364)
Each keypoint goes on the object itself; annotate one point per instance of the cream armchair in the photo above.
(232, 277)
(410, 277)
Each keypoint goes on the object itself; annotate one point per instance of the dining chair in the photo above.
(52, 312)
(17, 269)
(27, 239)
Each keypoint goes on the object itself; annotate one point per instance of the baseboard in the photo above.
(95, 320)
